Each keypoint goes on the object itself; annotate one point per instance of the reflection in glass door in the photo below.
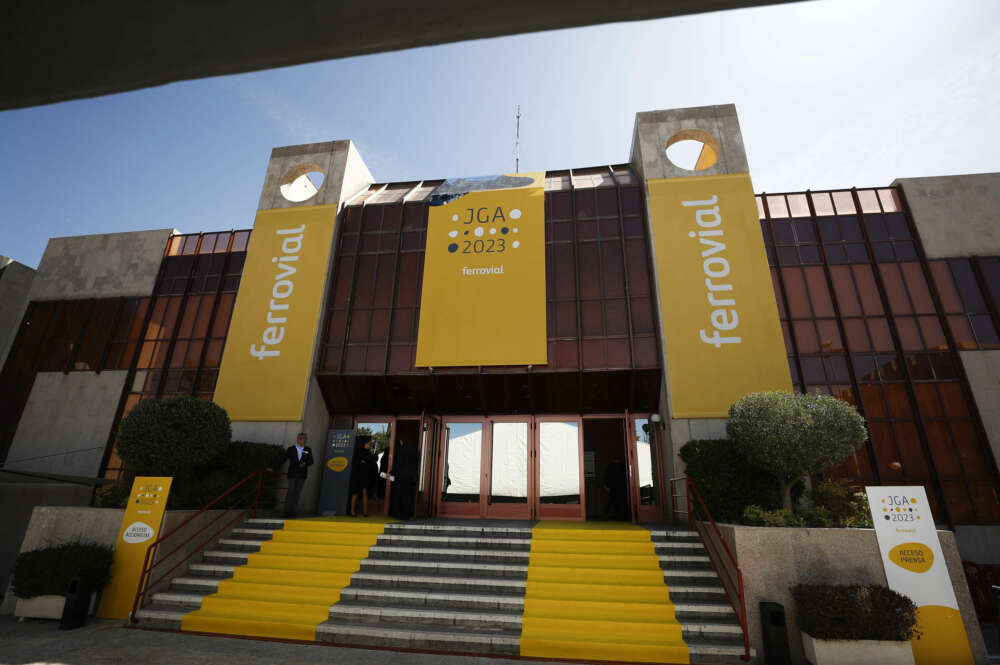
(381, 435)
(462, 459)
(558, 471)
(644, 444)
(509, 447)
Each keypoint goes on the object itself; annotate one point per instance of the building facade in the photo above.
(527, 331)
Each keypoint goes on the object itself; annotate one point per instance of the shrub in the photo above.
(724, 480)
(49, 570)
(855, 612)
(173, 437)
(238, 460)
(792, 435)
(843, 500)
(114, 495)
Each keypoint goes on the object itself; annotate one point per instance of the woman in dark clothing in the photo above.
(404, 476)
(363, 472)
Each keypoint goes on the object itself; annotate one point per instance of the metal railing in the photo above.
(700, 520)
(151, 562)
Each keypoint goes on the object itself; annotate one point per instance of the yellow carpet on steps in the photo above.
(596, 592)
(286, 589)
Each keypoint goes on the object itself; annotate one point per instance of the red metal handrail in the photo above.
(147, 568)
(700, 523)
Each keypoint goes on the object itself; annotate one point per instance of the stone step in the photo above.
(680, 548)
(458, 530)
(226, 557)
(168, 618)
(195, 584)
(420, 616)
(680, 593)
(488, 585)
(220, 570)
(252, 533)
(673, 535)
(440, 554)
(400, 567)
(265, 523)
(685, 562)
(694, 612)
(185, 600)
(415, 637)
(240, 544)
(479, 602)
(715, 631)
(711, 651)
(687, 577)
(404, 539)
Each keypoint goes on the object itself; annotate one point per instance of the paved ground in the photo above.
(103, 642)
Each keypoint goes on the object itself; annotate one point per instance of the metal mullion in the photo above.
(908, 380)
(963, 378)
(576, 284)
(71, 357)
(116, 321)
(329, 307)
(653, 280)
(349, 306)
(395, 282)
(983, 284)
(855, 386)
(172, 340)
(211, 319)
(796, 355)
(628, 290)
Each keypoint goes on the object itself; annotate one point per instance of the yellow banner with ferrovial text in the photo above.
(720, 318)
(483, 295)
(269, 352)
(140, 527)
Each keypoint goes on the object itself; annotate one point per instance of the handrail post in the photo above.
(743, 618)
(256, 499)
(687, 497)
(143, 577)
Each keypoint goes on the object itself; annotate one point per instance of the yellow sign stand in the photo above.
(140, 526)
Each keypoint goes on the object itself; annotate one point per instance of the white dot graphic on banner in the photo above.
(516, 243)
(454, 218)
(515, 229)
(515, 213)
(452, 234)
(493, 232)
(479, 232)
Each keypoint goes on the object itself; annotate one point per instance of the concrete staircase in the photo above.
(457, 586)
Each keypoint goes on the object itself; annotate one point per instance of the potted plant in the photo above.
(853, 624)
(41, 577)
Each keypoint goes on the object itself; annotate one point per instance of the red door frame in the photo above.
(641, 513)
(424, 503)
(514, 511)
(378, 420)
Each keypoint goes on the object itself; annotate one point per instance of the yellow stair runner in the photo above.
(286, 589)
(596, 591)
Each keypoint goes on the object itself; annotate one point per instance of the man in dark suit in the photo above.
(404, 476)
(299, 458)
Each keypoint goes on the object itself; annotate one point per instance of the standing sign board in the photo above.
(140, 526)
(915, 567)
(339, 454)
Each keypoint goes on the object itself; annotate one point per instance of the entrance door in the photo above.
(430, 431)
(646, 484)
(515, 467)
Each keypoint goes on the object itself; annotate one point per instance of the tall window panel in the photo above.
(862, 321)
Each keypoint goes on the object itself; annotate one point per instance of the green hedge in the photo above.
(855, 612)
(725, 481)
(835, 504)
(48, 571)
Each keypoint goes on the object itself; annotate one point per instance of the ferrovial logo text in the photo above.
(716, 268)
(491, 270)
(137, 532)
(277, 313)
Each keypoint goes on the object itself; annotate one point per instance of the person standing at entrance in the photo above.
(616, 483)
(299, 458)
(364, 471)
(404, 476)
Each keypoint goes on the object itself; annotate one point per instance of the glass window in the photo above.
(649, 474)
(462, 454)
(559, 462)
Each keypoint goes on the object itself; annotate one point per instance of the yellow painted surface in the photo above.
(285, 591)
(914, 557)
(720, 318)
(944, 641)
(595, 591)
(269, 351)
(140, 527)
(483, 296)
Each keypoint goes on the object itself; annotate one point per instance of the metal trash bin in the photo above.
(77, 605)
(775, 633)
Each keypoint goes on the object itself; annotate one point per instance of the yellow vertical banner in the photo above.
(721, 329)
(140, 526)
(268, 356)
(483, 295)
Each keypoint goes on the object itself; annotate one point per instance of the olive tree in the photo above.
(173, 436)
(793, 435)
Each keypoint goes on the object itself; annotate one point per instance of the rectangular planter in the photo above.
(47, 607)
(853, 652)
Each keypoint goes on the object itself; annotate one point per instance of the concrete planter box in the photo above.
(852, 652)
(47, 607)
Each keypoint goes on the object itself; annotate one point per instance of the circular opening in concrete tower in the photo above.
(301, 183)
(693, 150)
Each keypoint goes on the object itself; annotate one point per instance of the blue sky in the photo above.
(831, 93)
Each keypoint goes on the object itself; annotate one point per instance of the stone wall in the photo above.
(956, 215)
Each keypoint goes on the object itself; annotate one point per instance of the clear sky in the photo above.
(834, 93)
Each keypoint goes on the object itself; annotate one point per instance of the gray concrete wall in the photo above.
(344, 173)
(15, 282)
(100, 266)
(955, 215)
(775, 559)
(983, 370)
(66, 423)
(20, 500)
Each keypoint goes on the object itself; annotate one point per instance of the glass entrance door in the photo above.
(461, 468)
(557, 472)
(646, 487)
(507, 465)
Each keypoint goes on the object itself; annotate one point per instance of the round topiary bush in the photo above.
(173, 436)
(792, 435)
(855, 612)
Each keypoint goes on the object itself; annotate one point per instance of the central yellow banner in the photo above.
(483, 295)
(720, 319)
(268, 356)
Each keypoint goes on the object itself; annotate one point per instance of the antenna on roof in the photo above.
(517, 142)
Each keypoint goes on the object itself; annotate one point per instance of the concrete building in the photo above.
(887, 297)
